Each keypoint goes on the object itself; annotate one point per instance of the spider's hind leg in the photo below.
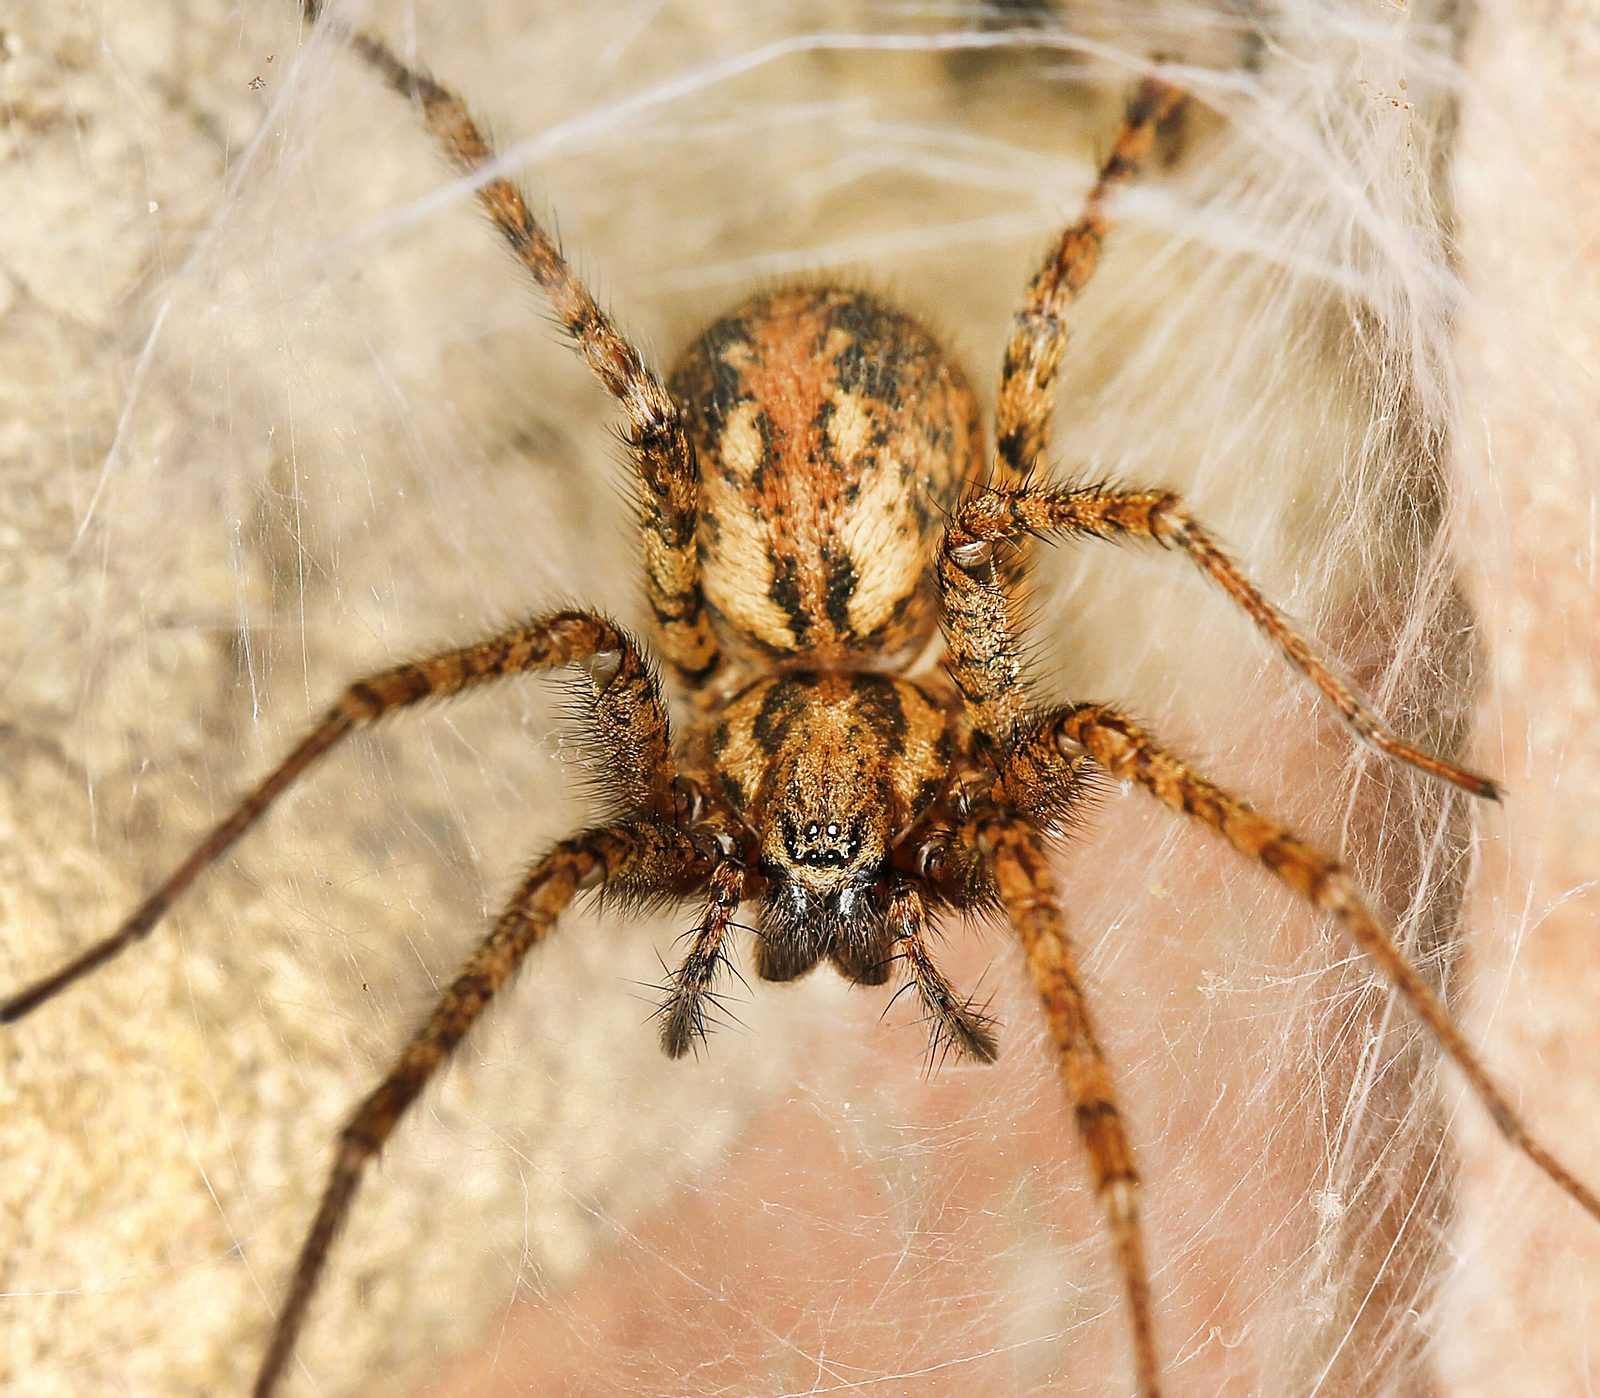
(1039, 331)
(628, 708)
(669, 477)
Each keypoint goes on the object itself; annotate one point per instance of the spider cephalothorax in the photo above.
(829, 770)
(813, 498)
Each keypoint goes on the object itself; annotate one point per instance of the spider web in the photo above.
(284, 412)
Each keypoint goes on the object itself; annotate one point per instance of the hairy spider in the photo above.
(814, 500)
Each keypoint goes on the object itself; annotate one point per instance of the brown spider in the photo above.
(813, 500)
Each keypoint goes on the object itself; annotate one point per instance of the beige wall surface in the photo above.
(1521, 1306)
(277, 410)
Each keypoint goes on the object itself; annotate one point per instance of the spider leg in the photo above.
(1124, 749)
(1028, 895)
(957, 1022)
(668, 472)
(1039, 332)
(597, 856)
(628, 707)
(683, 1016)
(984, 656)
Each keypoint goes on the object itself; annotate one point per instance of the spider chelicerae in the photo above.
(814, 500)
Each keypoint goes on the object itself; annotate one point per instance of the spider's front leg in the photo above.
(1038, 762)
(628, 713)
(1014, 848)
(652, 848)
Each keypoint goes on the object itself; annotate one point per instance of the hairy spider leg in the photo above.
(986, 665)
(1127, 751)
(602, 855)
(988, 835)
(628, 702)
(1026, 402)
(1029, 897)
(985, 659)
(669, 476)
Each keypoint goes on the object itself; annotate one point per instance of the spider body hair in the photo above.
(834, 437)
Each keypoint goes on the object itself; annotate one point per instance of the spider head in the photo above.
(824, 843)
(828, 769)
(818, 843)
(827, 832)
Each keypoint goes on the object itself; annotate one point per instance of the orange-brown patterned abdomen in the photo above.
(834, 437)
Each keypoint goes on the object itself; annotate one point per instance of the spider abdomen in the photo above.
(834, 435)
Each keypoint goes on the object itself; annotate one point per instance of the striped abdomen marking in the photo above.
(834, 437)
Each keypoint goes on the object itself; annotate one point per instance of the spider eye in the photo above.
(822, 844)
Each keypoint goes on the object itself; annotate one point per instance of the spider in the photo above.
(814, 502)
